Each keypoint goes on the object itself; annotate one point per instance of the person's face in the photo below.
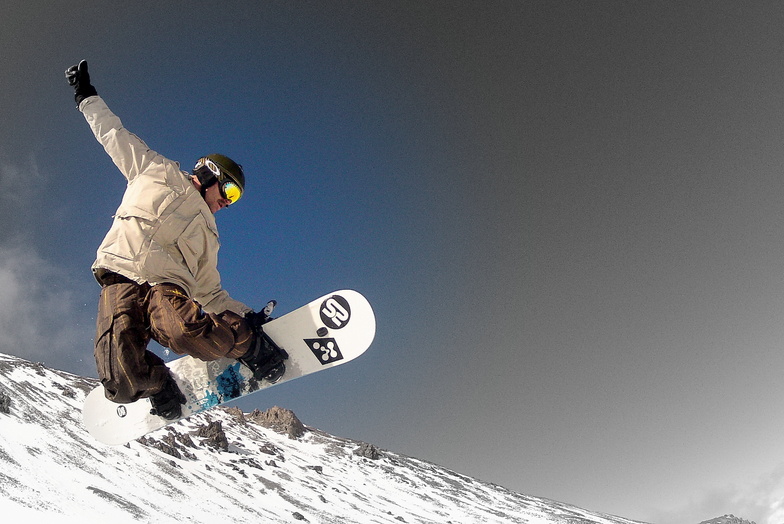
(214, 199)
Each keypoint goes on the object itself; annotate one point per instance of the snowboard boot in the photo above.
(265, 359)
(167, 403)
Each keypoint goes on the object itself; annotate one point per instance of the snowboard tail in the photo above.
(325, 333)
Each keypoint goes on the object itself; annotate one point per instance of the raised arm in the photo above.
(128, 152)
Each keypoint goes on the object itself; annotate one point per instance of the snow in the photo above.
(50, 467)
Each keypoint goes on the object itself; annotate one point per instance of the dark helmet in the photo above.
(228, 169)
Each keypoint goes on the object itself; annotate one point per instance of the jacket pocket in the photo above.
(129, 234)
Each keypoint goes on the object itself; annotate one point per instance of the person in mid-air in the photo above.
(157, 267)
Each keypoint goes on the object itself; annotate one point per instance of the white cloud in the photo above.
(761, 501)
(18, 188)
(39, 316)
(43, 312)
(772, 488)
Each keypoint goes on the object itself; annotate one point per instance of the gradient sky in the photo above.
(567, 215)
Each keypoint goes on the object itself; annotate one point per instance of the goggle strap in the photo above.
(205, 177)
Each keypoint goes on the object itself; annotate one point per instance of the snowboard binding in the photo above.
(265, 358)
(167, 403)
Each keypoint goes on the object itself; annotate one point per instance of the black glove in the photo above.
(262, 317)
(79, 78)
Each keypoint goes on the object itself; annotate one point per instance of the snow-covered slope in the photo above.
(258, 467)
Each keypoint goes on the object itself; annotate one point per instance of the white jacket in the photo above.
(163, 231)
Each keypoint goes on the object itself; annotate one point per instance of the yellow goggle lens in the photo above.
(231, 191)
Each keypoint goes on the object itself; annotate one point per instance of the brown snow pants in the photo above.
(130, 314)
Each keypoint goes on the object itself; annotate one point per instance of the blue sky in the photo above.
(567, 215)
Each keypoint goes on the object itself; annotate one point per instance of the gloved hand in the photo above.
(262, 317)
(79, 78)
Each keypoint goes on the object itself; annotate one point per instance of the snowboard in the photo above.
(325, 333)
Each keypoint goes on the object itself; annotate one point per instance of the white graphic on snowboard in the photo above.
(325, 349)
(335, 312)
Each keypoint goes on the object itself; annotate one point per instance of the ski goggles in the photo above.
(229, 190)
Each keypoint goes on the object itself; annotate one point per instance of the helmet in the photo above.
(228, 168)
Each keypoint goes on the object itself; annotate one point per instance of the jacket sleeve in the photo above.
(208, 290)
(220, 301)
(216, 299)
(128, 152)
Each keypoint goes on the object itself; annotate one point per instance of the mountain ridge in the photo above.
(264, 465)
(727, 519)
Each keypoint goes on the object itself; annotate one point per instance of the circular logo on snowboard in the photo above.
(121, 411)
(335, 312)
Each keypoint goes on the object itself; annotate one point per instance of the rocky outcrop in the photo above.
(727, 519)
(5, 402)
(368, 451)
(213, 436)
(280, 420)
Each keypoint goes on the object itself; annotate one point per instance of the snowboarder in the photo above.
(157, 267)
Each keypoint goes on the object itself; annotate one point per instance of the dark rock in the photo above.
(214, 436)
(236, 414)
(5, 403)
(280, 420)
(161, 445)
(368, 451)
